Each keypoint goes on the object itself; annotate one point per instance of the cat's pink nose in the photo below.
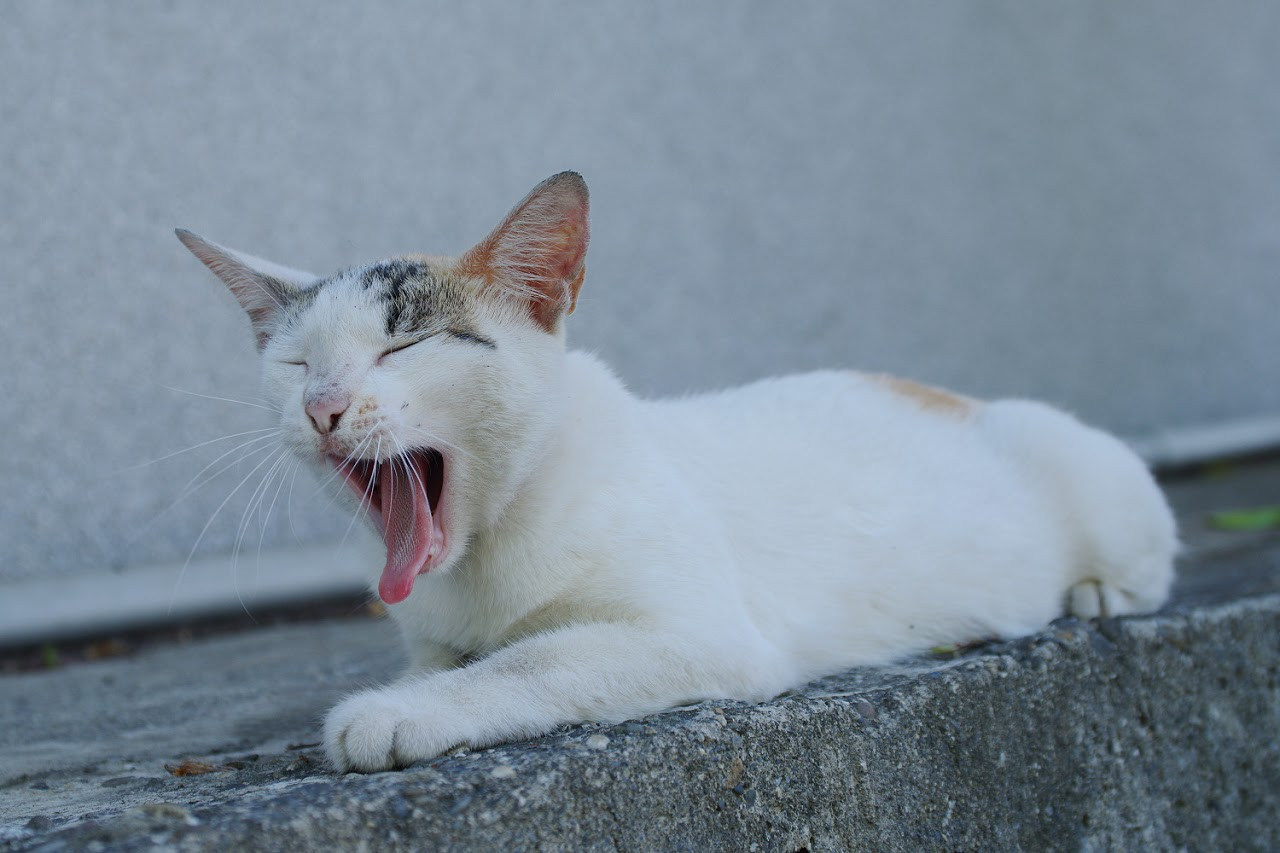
(326, 410)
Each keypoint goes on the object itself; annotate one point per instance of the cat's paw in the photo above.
(383, 730)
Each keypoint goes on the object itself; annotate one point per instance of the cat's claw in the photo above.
(1093, 599)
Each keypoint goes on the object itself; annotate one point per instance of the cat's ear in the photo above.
(262, 288)
(539, 252)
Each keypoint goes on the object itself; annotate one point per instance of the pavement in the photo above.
(1150, 732)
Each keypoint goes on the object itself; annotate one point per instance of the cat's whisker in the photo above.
(391, 494)
(246, 515)
(268, 407)
(352, 457)
(373, 478)
(363, 508)
(246, 450)
(195, 447)
(449, 445)
(400, 450)
(280, 468)
(191, 554)
(291, 465)
(288, 501)
(373, 433)
(403, 457)
(255, 502)
(247, 512)
(246, 519)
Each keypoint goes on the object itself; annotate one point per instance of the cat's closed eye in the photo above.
(401, 346)
(405, 345)
(456, 334)
(472, 337)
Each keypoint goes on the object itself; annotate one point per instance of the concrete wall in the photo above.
(1073, 201)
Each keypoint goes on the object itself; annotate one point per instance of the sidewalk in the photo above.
(1155, 732)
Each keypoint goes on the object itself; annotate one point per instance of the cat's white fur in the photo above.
(608, 557)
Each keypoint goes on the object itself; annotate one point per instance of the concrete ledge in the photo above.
(1154, 732)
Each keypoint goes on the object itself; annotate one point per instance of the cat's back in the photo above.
(819, 414)
(824, 453)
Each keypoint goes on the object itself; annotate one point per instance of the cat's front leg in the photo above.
(603, 672)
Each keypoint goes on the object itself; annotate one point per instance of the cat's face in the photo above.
(428, 384)
(428, 398)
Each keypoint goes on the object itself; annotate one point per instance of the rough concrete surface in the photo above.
(1154, 732)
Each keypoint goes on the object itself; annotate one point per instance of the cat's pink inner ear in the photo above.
(539, 251)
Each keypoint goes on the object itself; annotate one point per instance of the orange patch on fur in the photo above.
(539, 250)
(475, 263)
(926, 397)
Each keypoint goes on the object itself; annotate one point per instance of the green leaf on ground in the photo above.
(1256, 518)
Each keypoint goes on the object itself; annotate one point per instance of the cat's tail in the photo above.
(1123, 533)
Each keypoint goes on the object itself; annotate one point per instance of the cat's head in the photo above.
(429, 383)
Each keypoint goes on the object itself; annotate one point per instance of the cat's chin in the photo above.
(405, 496)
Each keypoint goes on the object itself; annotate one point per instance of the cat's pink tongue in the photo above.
(407, 527)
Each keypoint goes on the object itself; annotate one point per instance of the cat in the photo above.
(560, 551)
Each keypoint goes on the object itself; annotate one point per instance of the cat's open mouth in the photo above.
(404, 494)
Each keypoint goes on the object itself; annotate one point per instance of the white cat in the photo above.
(560, 551)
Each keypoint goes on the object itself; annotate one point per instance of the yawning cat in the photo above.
(558, 550)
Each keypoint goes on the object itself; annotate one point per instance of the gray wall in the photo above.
(1077, 201)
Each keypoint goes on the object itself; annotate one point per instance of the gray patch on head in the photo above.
(417, 299)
